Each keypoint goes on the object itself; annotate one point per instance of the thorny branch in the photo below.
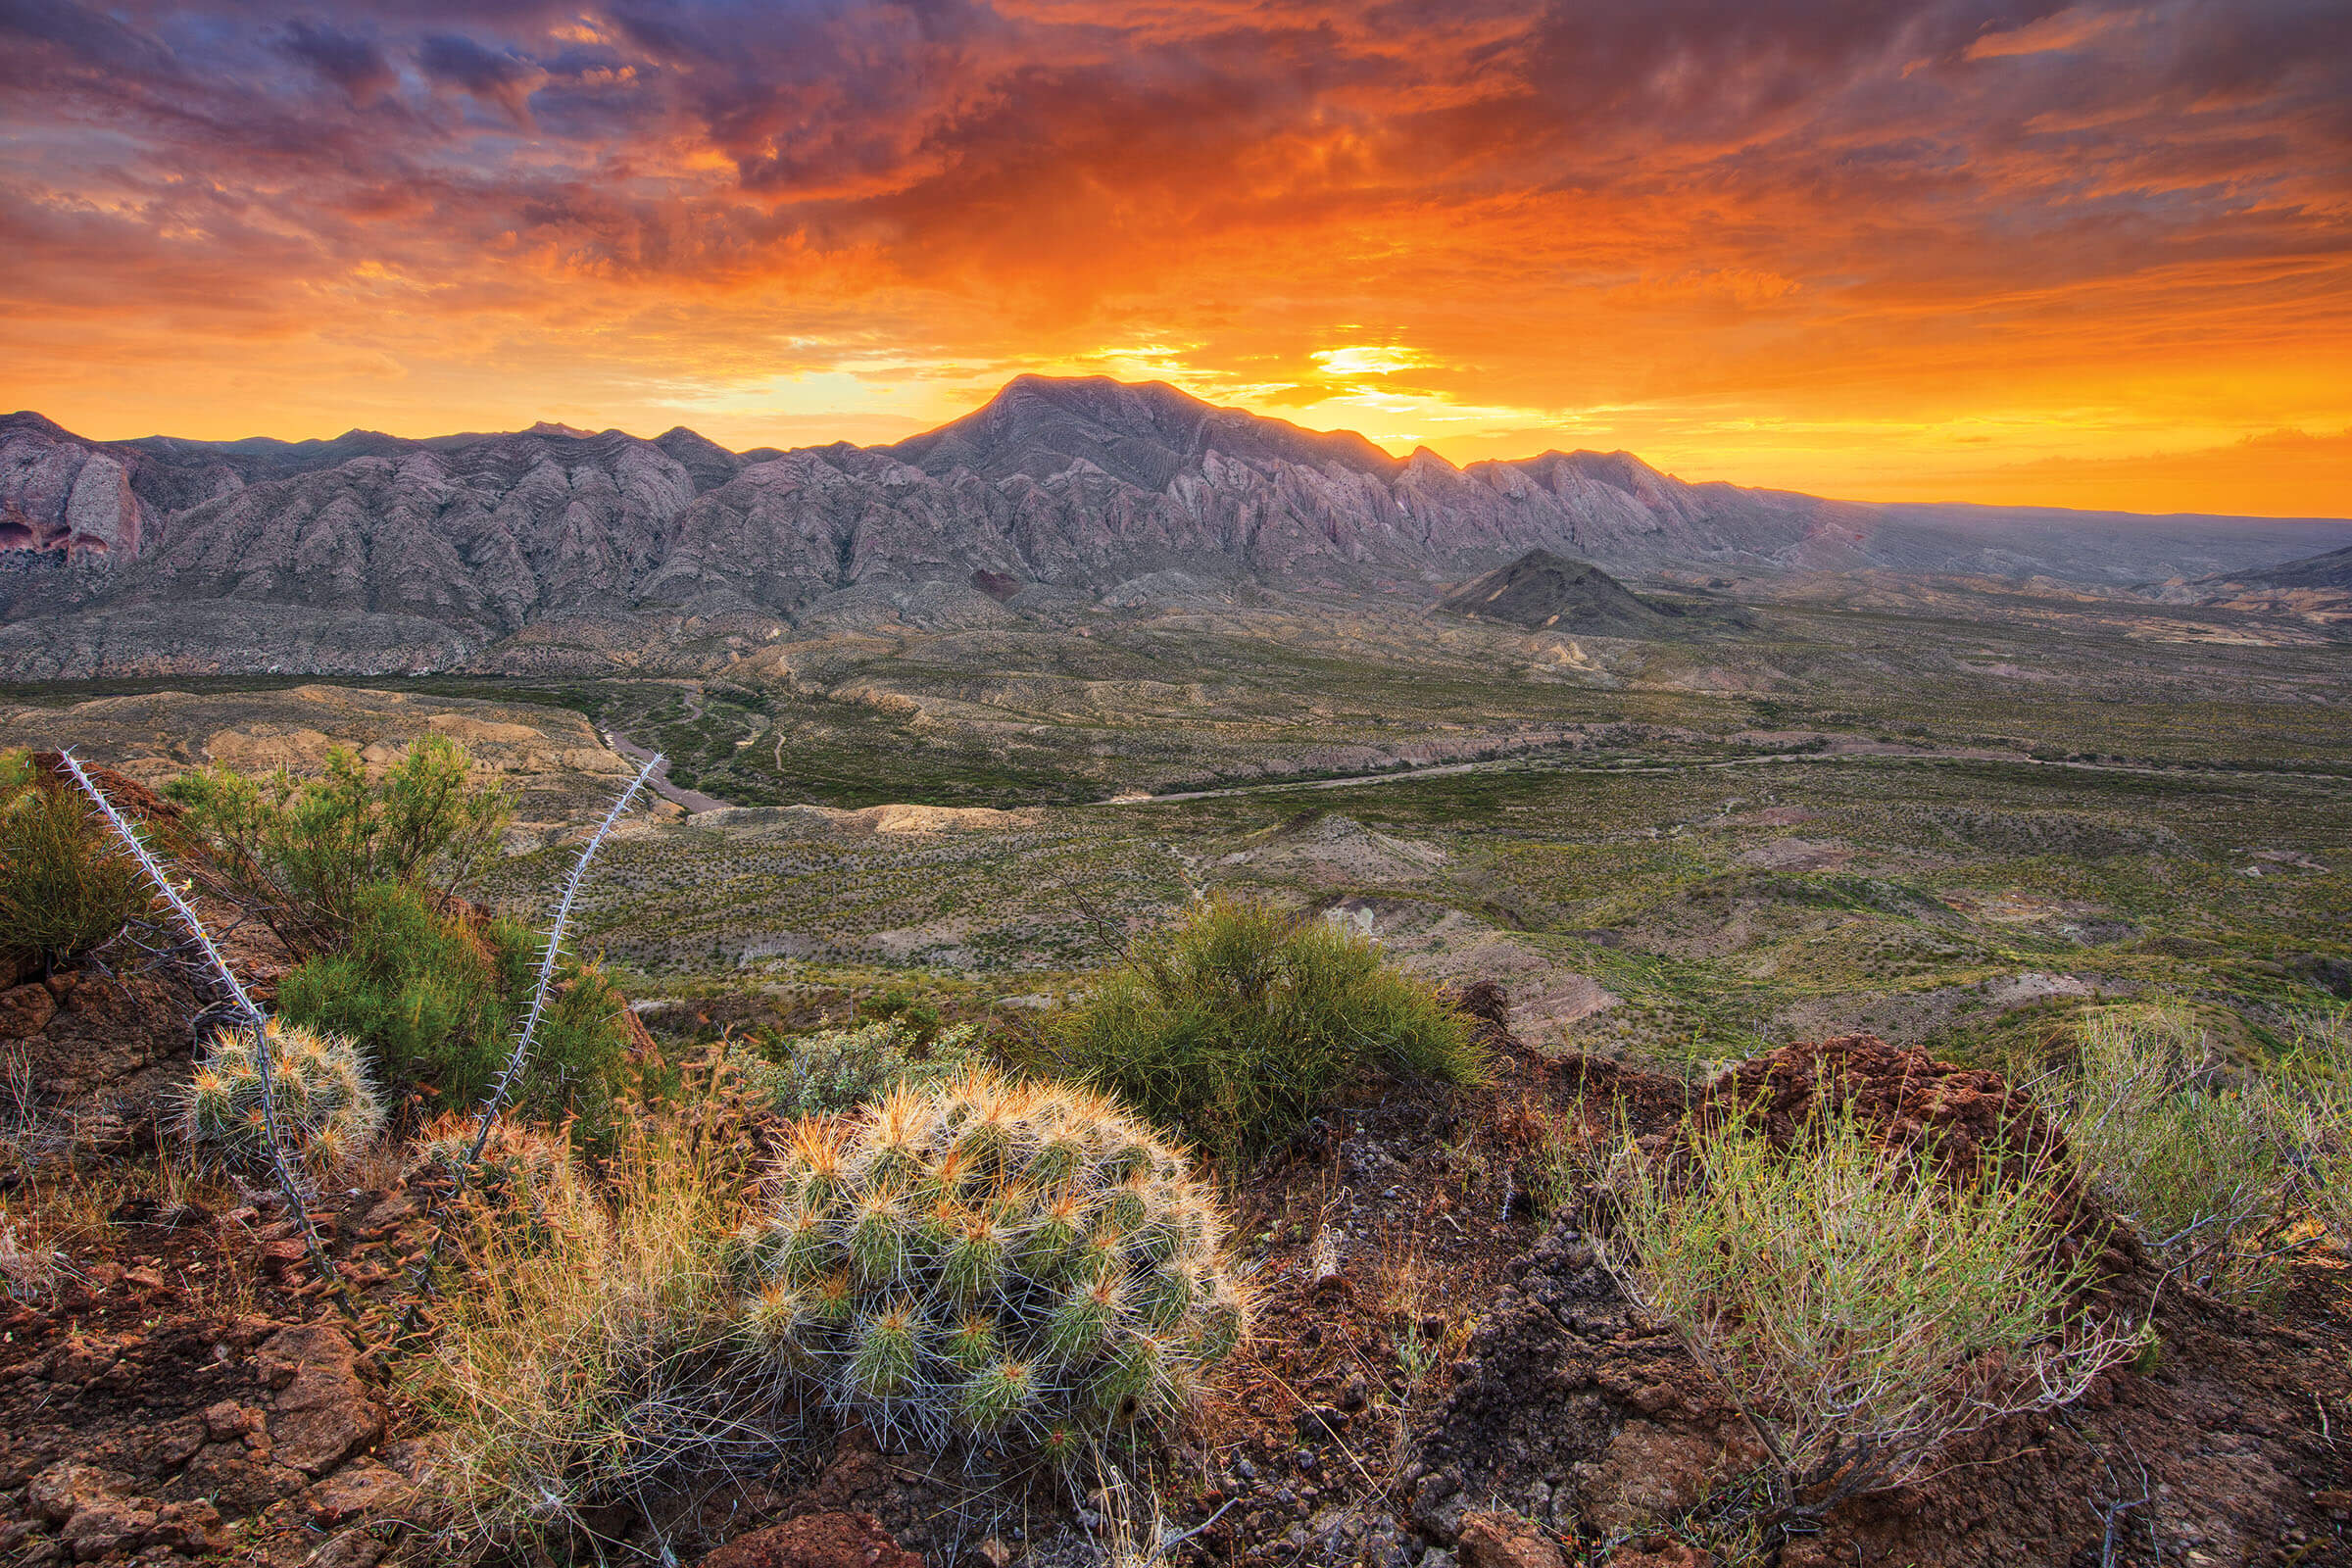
(290, 1180)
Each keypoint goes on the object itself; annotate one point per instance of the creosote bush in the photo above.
(992, 1261)
(326, 1108)
(300, 854)
(1861, 1310)
(434, 999)
(1240, 1021)
(840, 1069)
(64, 886)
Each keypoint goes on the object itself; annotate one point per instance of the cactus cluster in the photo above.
(988, 1261)
(514, 1154)
(326, 1108)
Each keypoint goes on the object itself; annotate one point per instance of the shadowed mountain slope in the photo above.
(2333, 570)
(1544, 592)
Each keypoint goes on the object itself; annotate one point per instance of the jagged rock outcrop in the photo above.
(57, 494)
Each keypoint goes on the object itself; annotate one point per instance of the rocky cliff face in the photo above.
(372, 553)
(58, 495)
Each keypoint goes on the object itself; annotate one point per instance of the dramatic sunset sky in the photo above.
(2090, 255)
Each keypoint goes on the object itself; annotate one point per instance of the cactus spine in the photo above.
(988, 1261)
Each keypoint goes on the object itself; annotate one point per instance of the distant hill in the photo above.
(2116, 549)
(2332, 569)
(1542, 590)
(554, 549)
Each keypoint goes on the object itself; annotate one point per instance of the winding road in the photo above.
(1531, 765)
(692, 800)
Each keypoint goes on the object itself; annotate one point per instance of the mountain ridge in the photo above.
(555, 543)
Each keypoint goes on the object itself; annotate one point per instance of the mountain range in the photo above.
(555, 547)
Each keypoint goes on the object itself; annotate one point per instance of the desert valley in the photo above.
(1659, 779)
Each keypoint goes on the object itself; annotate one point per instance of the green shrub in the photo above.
(918, 1017)
(840, 1069)
(2199, 1159)
(1861, 1310)
(1239, 1021)
(435, 1000)
(988, 1261)
(64, 888)
(2221, 1168)
(326, 1108)
(300, 854)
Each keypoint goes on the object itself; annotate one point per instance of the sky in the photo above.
(2021, 253)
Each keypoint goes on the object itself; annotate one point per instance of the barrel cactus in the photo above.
(988, 1261)
(326, 1108)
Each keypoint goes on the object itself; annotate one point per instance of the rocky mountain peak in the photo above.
(24, 419)
(1548, 592)
(1142, 434)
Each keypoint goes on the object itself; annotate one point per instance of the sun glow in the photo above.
(2092, 258)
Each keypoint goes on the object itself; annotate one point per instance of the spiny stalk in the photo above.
(420, 1277)
(516, 1059)
(288, 1181)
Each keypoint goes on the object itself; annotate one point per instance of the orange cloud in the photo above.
(1853, 247)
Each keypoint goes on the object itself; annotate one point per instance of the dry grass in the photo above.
(1431, 1326)
(28, 1270)
(574, 1366)
(34, 1137)
(62, 891)
(1133, 1531)
(2318, 1077)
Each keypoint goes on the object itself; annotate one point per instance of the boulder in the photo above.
(185, 1526)
(25, 1010)
(1506, 1540)
(1648, 1471)
(1660, 1555)
(361, 1487)
(65, 1487)
(322, 1412)
(108, 1525)
(816, 1540)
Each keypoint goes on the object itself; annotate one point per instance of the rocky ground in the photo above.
(1445, 1375)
